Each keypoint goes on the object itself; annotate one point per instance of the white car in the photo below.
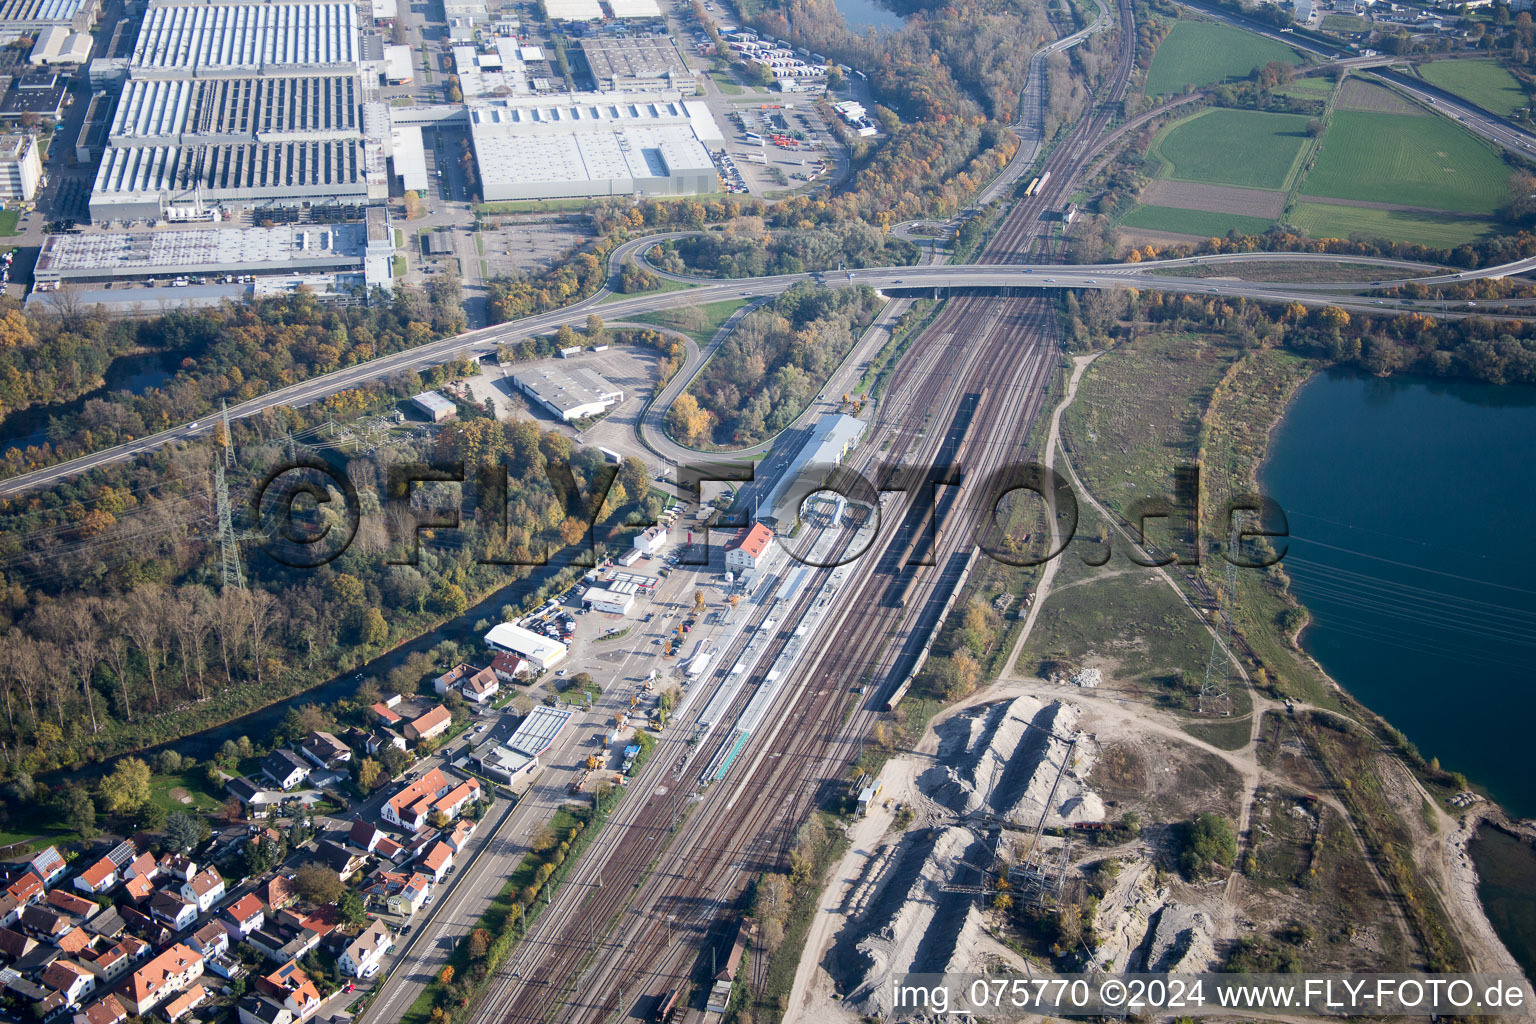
(370, 971)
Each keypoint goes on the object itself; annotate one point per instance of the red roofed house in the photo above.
(138, 889)
(98, 878)
(410, 808)
(48, 865)
(459, 837)
(453, 677)
(464, 793)
(386, 714)
(481, 686)
(27, 889)
(185, 1003)
(244, 916)
(509, 667)
(113, 962)
(747, 550)
(364, 836)
(438, 860)
(71, 904)
(433, 723)
(409, 899)
(292, 987)
(106, 1010)
(171, 972)
(142, 866)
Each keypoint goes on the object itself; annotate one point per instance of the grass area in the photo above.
(1345, 24)
(1204, 223)
(664, 284)
(183, 792)
(399, 262)
(687, 319)
(1311, 88)
(1414, 161)
(1326, 220)
(1485, 82)
(1300, 272)
(1248, 148)
(726, 83)
(10, 222)
(1226, 733)
(533, 206)
(1203, 52)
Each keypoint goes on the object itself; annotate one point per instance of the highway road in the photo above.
(917, 279)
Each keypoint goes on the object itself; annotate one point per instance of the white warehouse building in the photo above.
(594, 144)
(570, 394)
(526, 644)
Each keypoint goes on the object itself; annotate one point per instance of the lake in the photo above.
(1505, 868)
(866, 14)
(1408, 503)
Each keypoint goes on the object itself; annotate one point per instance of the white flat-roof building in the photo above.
(181, 38)
(20, 18)
(397, 65)
(526, 644)
(829, 441)
(21, 169)
(652, 540)
(410, 158)
(385, 10)
(519, 755)
(635, 8)
(570, 394)
(105, 256)
(594, 144)
(572, 10)
(615, 600)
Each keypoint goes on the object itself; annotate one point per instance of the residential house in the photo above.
(71, 980)
(282, 942)
(106, 1010)
(410, 808)
(481, 686)
(429, 726)
(325, 750)
(171, 972)
(459, 837)
(461, 796)
(291, 987)
(143, 866)
(211, 940)
(14, 945)
(244, 916)
(251, 794)
(139, 889)
(285, 768)
(179, 866)
(115, 961)
(254, 1009)
(509, 668)
(68, 903)
(381, 738)
(452, 678)
(74, 941)
(366, 950)
(29, 888)
(44, 923)
(108, 924)
(100, 877)
(48, 865)
(438, 861)
(204, 888)
(364, 835)
(278, 893)
(184, 1004)
(174, 910)
(385, 711)
(10, 909)
(390, 850)
(410, 898)
(340, 859)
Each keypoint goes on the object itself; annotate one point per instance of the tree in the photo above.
(318, 883)
(351, 908)
(375, 631)
(1207, 840)
(182, 831)
(368, 772)
(79, 812)
(126, 789)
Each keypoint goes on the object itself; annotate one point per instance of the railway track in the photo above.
(630, 921)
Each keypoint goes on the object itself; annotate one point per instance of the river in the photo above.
(1408, 503)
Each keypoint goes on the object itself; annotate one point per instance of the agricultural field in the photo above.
(1203, 52)
(1484, 82)
(1409, 161)
(1201, 223)
(1232, 147)
(1444, 230)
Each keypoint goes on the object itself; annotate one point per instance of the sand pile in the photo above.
(1004, 758)
(1182, 941)
(910, 924)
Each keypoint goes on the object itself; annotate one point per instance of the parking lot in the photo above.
(776, 146)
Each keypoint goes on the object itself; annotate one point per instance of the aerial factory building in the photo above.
(594, 144)
(570, 394)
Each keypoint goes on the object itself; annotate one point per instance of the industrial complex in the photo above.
(568, 394)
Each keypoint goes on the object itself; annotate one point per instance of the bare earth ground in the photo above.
(1135, 238)
(1193, 195)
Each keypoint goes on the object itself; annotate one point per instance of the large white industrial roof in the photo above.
(410, 158)
(515, 638)
(128, 253)
(635, 8)
(246, 36)
(573, 10)
(58, 11)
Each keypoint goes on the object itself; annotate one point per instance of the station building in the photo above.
(829, 442)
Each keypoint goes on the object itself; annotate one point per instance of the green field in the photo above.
(1232, 147)
(1193, 222)
(1415, 161)
(1325, 220)
(1345, 24)
(1484, 82)
(1202, 52)
(10, 222)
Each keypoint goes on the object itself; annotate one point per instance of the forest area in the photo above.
(116, 633)
(771, 366)
(746, 248)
